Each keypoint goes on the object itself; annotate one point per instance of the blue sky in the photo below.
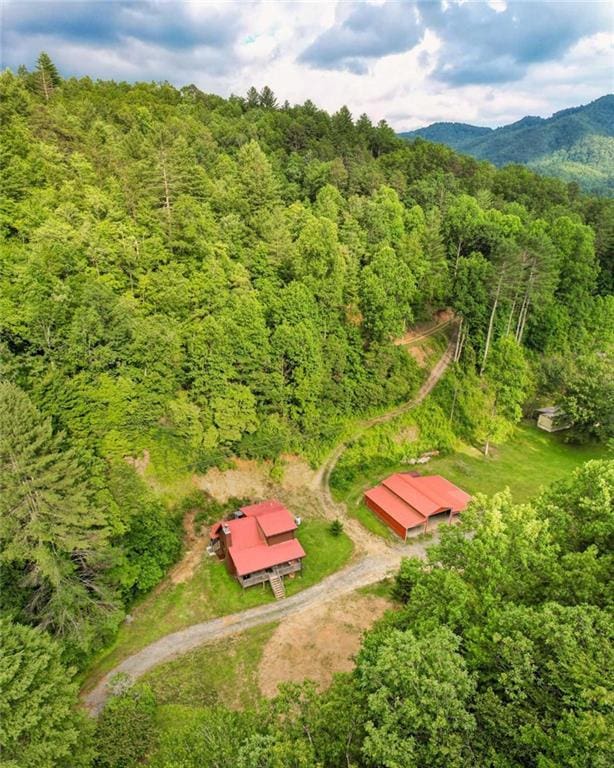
(411, 62)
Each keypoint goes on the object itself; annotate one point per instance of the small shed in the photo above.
(552, 419)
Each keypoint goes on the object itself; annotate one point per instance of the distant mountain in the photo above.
(574, 144)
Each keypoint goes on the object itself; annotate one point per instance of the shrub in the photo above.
(125, 732)
(336, 528)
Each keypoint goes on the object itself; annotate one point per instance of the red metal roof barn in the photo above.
(406, 503)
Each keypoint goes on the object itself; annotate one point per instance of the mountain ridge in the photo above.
(575, 144)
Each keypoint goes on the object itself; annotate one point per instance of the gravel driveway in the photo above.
(381, 560)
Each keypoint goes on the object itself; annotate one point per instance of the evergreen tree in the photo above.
(252, 98)
(267, 98)
(40, 726)
(434, 284)
(50, 530)
(47, 75)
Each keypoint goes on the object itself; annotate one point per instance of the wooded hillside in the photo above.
(576, 145)
(227, 277)
(222, 277)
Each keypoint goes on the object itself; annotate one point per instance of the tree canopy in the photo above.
(207, 278)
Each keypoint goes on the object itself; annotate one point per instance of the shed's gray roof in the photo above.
(551, 410)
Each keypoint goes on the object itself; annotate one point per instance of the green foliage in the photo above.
(40, 725)
(507, 374)
(417, 692)
(54, 532)
(203, 278)
(336, 527)
(148, 539)
(151, 544)
(580, 509)
(534, 637)
(575, 144)
(208, 738)
(254, 322)
(125, 731)
(589, 398)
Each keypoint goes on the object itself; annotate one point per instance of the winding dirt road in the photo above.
(378, 559)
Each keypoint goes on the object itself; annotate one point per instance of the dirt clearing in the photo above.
(195, 546)
(247, 479)
(252, 479)
(318, 641)
(140, 463)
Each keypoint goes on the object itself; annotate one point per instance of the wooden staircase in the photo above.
(277, 585)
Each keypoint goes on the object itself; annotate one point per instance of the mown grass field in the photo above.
(224, 672)
(213, 592)
(530, 461)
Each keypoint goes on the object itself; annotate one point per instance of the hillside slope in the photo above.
(575, 144)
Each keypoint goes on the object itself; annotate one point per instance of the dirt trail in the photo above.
(379, 559)
(195, 546)
(321, 479)
(418, 333)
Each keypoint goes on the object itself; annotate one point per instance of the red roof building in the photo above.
(406, 502)
(258, 544)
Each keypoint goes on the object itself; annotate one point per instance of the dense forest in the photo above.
(227, 277)
(575, 144)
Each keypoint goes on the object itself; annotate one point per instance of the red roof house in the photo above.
(406, 502)
(258, 544)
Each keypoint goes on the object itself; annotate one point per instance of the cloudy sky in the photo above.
(411, 62)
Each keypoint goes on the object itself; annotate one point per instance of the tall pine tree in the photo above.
(41, 725)
(51, 533)
(47, 75)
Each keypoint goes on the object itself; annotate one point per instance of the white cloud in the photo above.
(260, 43)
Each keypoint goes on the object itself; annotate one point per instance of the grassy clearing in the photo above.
(379, 589)
(225, 672)
(529, 462)
(213, 592)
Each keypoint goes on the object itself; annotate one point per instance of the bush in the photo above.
(149, 538)
(336, 528)
(406, 579)
(152, 544)
(125, 732)
(210, 510)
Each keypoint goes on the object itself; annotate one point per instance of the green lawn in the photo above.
(213, 592)
(224, 672)
(527, 463)
(381, 588)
